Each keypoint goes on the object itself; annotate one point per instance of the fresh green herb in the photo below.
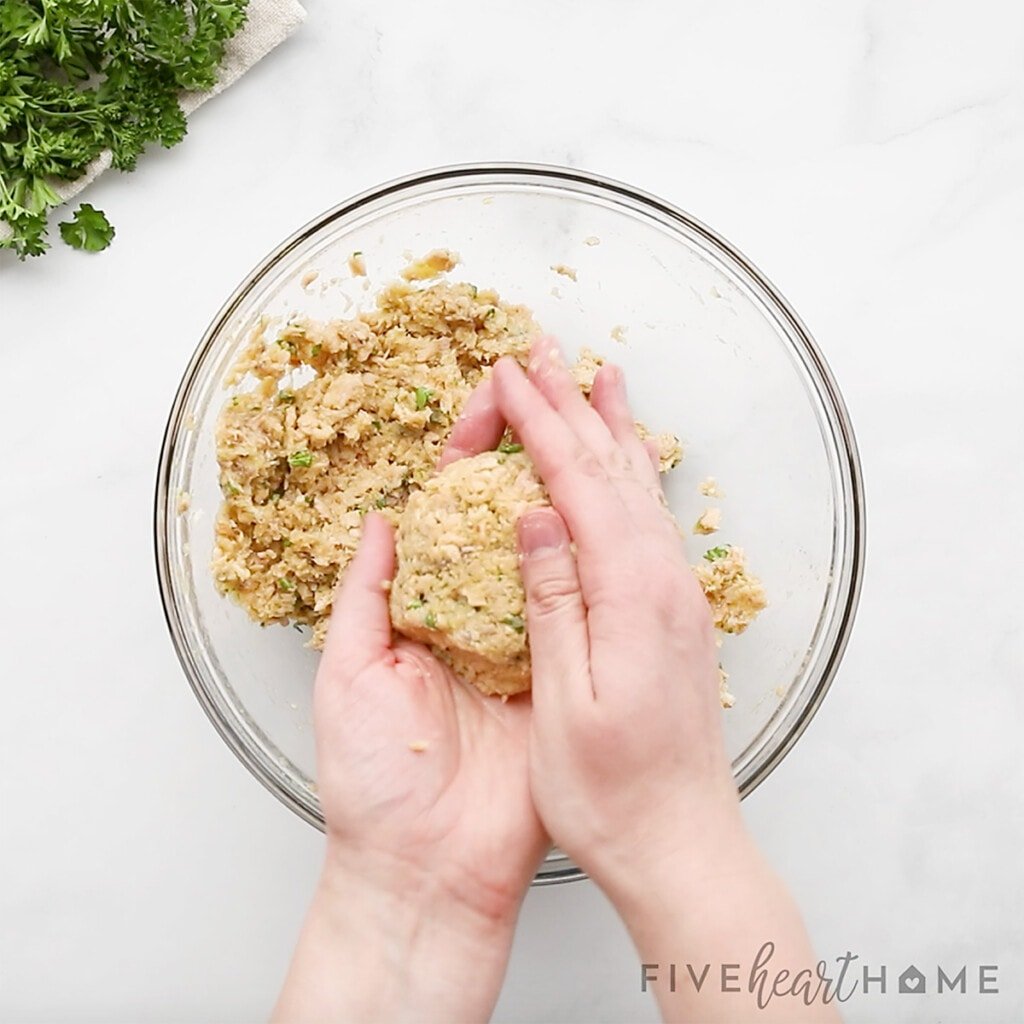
(231, 489)
(437, 417)
(315, 350)
(88, 229)
(286, 542)
(303, 459)
(288, 344)
(515, 621)
(430, 621)
(713, 553)
(414, 604)
(490, 312)
(509, 448)
(473, 291)
(286, 397)
(381, 502)
(377, 425)
(310, 500)
(423, 395)
(78, 77)
(286, 584)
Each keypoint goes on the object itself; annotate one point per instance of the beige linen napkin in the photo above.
(269, 23)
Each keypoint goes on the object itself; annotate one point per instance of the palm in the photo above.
(465, 798)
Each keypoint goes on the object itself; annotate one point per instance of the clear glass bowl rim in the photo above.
(827, 393)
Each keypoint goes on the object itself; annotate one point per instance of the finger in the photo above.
(645, 497)
(549, 374)
(555, 613)
(623, 456)
(574, 476)
(359, 631)
(608, 398)
(478, 429)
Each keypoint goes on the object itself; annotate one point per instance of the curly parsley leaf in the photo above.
(89, 229)
(78, 77)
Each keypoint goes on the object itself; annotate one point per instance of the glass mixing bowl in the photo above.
(711, 352)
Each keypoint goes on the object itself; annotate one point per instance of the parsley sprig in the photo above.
(78, 77)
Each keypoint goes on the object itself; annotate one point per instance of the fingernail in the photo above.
(541, 532)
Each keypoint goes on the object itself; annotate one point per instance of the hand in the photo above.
(627, 762)
(457, 814)
(432, 837)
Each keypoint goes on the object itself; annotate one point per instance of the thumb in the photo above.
(556, 613)
(359, 630)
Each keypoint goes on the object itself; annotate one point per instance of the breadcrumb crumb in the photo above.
(308, 278)
(592, 240)
(561, 268)
(726, 699)
(618, 333)
(709, 488)
(735, 595)
(419, 746)
(184, 502)
(437, 262)
(668, 446)
(709, 521)
(357, 265)
(584, 370)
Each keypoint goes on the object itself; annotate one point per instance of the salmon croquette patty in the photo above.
(458, 586)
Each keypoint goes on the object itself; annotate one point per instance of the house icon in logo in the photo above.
(912, 980)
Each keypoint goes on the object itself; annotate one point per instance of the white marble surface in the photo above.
(868, 156)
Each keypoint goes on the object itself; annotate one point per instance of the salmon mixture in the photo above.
(333, 419)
